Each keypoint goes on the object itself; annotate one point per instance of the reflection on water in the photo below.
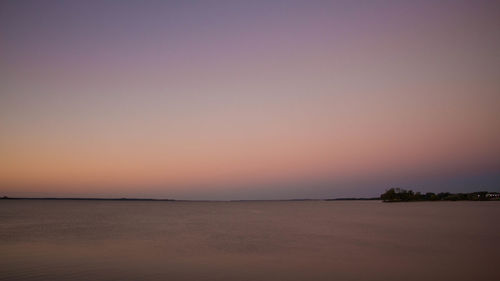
(355, 240)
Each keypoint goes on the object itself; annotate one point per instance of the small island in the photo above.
(402, 195)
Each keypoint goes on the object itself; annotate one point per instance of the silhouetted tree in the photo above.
(402, 195)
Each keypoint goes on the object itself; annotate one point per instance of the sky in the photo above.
(248, 99)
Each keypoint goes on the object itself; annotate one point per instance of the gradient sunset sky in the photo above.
(248, 99)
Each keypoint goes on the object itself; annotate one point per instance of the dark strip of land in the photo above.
(402, 195)
(77, 198)
(391, 195)
(151, 199)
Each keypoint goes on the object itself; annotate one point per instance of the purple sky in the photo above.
(248, 99)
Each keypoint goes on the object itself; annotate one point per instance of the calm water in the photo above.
(356, 240)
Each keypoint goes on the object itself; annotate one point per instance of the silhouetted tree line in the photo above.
(402, 195)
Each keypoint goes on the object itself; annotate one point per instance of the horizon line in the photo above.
(184, 200)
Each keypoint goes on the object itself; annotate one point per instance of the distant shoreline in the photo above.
(84, 199)
(393, 195)
(383, 198)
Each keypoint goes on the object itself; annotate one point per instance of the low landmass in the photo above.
(390, 195)
(353, 198)
(402, 195)
(78, 198)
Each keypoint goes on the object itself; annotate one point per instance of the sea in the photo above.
(248, 240)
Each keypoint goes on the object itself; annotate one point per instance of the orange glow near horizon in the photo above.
(181, 107)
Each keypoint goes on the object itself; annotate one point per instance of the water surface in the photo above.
(312, 240)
